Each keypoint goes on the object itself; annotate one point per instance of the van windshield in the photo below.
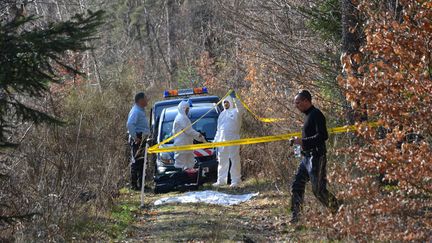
(206, 126)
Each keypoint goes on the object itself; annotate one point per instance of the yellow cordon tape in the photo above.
(154, 149)
(245, 141)
(262, 119)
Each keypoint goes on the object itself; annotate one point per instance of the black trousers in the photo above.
(137, 163)
(312, 168)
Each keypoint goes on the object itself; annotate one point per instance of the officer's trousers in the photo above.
(312, 168)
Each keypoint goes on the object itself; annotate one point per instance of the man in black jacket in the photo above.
(313, 164)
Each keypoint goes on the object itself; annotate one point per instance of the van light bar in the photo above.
(183, 92)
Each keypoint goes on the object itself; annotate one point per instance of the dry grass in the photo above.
(263, 219)
(61, 173)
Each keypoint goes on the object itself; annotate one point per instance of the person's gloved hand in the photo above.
(202, 138)
(233, 94)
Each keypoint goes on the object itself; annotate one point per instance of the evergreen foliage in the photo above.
(31, 58)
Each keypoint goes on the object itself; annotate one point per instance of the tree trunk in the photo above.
(351, 42)
(171, 11)
(149, 39)
(351, 39)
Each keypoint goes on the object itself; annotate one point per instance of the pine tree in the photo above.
(30, 58)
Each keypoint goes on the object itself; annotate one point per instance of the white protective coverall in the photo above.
(184, 159)
(228, 128)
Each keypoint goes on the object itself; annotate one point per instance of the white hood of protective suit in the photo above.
(182, 106)
(230, 101)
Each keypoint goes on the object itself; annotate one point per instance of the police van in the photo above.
(166, 176)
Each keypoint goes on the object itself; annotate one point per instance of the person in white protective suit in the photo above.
(184, 159)
(228, 128)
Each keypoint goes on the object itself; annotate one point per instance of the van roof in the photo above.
(159, 106)
(194, 99)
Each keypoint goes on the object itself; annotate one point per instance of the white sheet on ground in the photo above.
(210, 197)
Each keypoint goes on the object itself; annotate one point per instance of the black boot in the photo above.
(296, 205)
(295, 215)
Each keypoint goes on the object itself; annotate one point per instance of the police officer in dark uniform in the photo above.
(313, 163)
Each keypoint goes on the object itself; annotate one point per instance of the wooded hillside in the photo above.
(69, 71)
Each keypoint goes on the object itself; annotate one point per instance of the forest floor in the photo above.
(262, 219)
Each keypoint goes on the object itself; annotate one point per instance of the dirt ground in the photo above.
(265, 218)
(262, 219)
